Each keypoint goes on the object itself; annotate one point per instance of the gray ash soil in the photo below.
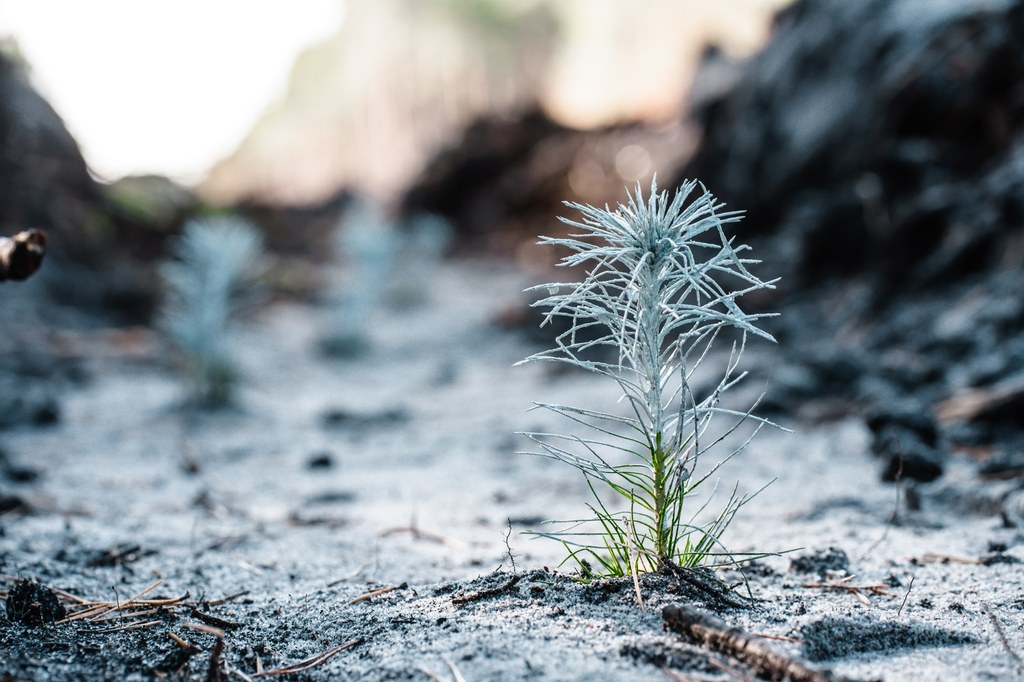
(396, 471)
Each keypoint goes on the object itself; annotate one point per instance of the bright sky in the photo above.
(163, 86)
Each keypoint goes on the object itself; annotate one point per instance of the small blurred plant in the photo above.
(662, 284)
(209, 280)
(367, 242)
(425, 239)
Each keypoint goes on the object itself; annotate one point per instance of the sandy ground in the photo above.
(397, 469)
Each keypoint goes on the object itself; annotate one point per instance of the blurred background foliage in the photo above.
(877, 145)
(386, 85)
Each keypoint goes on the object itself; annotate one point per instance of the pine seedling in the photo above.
(367, 242)
(661, 286)
(208, 281)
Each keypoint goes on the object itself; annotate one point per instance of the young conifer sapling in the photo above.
(367, 241)
(207, 282)
(661, 286)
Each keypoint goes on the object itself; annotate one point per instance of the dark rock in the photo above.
(33, 604)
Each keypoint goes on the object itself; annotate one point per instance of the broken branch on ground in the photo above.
(713, 633)
(22, 254)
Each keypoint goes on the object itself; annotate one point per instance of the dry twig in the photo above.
(215, 621)
(931, 558)
(376, 593)
(456, 673)
(311, 662)
(845, 585)
(1002, 635)
(484, 594)
(216, 671)
(712, 633)
(906, 596)
(98, 611)
(419, 534)
(135, 612)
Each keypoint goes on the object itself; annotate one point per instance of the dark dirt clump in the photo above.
(821, 562)
(33, 604)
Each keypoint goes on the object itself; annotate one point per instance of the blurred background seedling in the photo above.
(661, 286)
(366, 245)
(425, 240)
(208, 281)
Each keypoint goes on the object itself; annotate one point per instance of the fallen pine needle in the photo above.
(906, 596)
(945, 559)
(137, 608)
(777, 638)
(215, 621)
(418, 534)
(108, 610)
(146, 591)
(376, 593)
(112, 615)
(235, 671)
(208, 629)
(351, 576)
(311, 662)
(456, 674)
(121, 628)
(997, 624)
(844, 584)
(187, 646)
(225, 600)
(485, 593)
